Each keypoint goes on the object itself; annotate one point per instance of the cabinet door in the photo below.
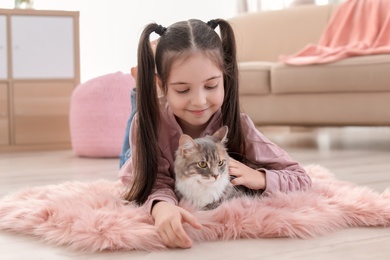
(41, 112)
(3, 47)
(42, 47)
(4, 122)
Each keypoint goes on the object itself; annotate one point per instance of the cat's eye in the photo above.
(202, 164)
(221, 163)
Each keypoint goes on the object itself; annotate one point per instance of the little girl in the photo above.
(196, 72)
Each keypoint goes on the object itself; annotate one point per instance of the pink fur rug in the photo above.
(92, 217)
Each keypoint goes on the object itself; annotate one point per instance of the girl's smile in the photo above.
(198, 112)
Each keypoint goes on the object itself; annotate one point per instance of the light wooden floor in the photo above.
(359, 155)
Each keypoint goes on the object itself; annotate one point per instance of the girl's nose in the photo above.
(199, 98)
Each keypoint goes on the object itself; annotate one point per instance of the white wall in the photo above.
(109, 29)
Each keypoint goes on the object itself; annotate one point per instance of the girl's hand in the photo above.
(246, 176)
(168, 219)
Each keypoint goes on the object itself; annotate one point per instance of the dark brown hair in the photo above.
(179, 41)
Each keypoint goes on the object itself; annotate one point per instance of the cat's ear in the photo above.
(186, 144)
(221, 134)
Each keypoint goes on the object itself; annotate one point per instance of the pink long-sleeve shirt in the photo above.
(281, 172)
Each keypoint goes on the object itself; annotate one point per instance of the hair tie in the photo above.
(212, 23)
(160, 30)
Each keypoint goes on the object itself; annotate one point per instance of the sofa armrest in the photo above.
(255, 77)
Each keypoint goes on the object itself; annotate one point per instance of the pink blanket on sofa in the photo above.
(358, 27)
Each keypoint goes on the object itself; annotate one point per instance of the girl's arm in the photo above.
(163, 189)
(169, 221)
(169, 217)
(162, 202)
(277, 169)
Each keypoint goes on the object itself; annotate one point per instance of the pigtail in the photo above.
(146, 157)
(231, 106)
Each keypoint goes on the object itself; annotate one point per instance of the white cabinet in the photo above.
(3, 47)
(39, 68)
(42, 47)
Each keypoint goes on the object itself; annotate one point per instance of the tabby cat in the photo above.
(201, 169)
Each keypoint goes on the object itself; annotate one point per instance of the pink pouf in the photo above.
(99, 112)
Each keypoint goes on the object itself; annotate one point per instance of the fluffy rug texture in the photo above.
(92, 217)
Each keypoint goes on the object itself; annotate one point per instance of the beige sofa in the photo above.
(350, 92)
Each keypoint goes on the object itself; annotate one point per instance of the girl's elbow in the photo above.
(305, 183)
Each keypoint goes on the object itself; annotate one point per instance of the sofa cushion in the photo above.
(254, 77)
(356, 74)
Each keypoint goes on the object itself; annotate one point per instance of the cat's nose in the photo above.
(215, 176)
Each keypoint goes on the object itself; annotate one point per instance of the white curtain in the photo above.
(264, 5)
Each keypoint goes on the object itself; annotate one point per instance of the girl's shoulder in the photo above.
(246, 121)
(251, 131)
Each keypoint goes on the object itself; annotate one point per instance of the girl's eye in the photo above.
(211, 87)
(221, 163)
(202, 164)
(182, 91)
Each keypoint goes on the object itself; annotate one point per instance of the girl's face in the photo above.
(195, 91)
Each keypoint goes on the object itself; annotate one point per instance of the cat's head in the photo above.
(203, 159)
